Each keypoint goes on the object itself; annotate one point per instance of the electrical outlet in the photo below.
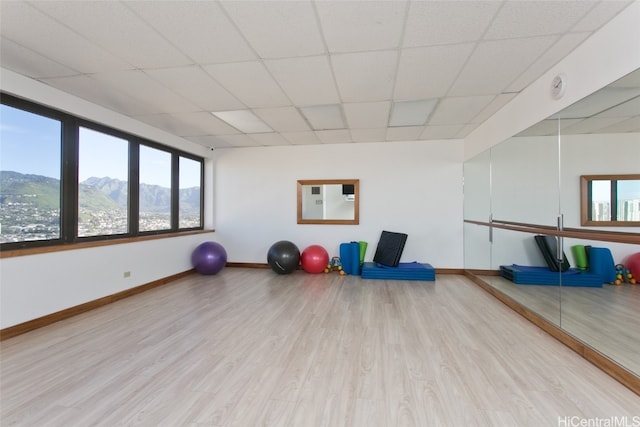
(127, 274)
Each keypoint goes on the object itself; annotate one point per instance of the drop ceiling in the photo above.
(299, 72)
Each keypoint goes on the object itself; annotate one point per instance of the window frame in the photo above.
(586, 200)
(69, 185)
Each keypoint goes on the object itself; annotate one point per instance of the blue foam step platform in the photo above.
(404, 271)
(528, 275)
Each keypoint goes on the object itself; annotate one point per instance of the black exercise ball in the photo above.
(283, 257)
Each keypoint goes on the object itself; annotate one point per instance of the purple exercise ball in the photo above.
(209, 258)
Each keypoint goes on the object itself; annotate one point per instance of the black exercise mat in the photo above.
(390, 247)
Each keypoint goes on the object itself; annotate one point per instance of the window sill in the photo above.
(85, 245)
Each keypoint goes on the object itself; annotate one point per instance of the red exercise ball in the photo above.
(632, 263)
(314, 259)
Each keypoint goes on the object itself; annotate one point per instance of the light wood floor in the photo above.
(607, 318)
(248, 347)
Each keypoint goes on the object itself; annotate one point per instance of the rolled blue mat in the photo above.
(350, 257)
(601, 263)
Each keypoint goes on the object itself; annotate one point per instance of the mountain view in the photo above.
(30, 207)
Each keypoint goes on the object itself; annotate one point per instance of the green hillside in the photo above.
(96, 194)
(29, 190)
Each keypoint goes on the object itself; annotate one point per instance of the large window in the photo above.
(190, 202)
(64, 179)
(155, 189)
(103, 184)
(29, 176)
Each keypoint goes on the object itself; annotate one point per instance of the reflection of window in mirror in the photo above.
(610, 200)
(333, 201)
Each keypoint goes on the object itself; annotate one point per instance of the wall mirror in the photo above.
(610, 200)
(329, 201)
(537, 180)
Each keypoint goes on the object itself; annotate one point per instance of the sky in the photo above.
(627, 190)
(30, 143)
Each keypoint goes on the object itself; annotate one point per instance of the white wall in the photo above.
(33, 286)
(410, 187)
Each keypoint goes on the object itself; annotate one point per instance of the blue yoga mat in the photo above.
(404, 271)
(530, 275)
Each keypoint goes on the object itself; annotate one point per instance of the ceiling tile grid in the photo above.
(312, 71)
(209, 37)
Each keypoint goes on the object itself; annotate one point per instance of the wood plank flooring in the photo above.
(249, 347)
(607, 318)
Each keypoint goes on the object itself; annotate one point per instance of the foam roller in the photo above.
(580, 257)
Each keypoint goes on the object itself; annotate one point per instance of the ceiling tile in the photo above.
(170, 63)
(301, 138)
(493, 65)
(189, 124)
(277, 29)
(243, 120)
(369, 135)
(546, 127)
(631, 80)
(209, 141)
(542, 128)
(336, 136)
(599, 102)
(447, 22)
(441, 132)
(625, 109)
(496, 104)
(359, 25)
(629, 125)
(466, 130)
(250, 83)
(527, 18)
(549, 58)
(283, 119)
(600, 14)
(429, 72)
(141, 87)
(591, 125)
(367, 115)
(26, 62)
(117, 29)
(240, 140)
(307, 81)
(366, 76)
(412, 113)
(91, 90)
(168, 123)
(271, 138)
(211, 37)
(41, 34)
(407, 133)
(322, 117)
(197, 86)
(457, 111)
